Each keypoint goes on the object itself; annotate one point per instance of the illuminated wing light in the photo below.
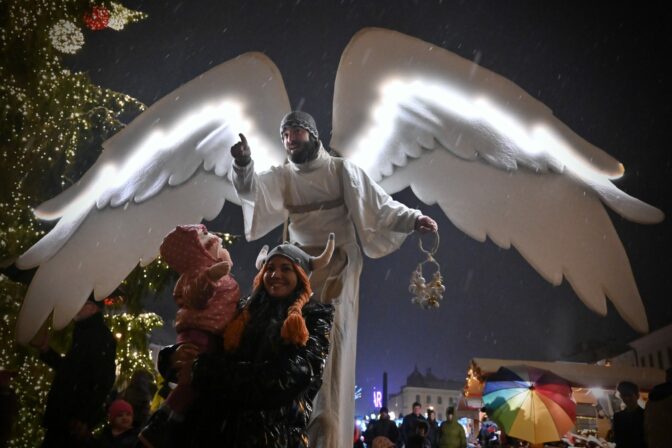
(544, 137)
(536, 141)
(149, 152)
(202, 138)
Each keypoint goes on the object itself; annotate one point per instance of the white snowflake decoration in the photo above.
(66, 37)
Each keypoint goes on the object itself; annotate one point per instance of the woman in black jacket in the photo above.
(258, 391)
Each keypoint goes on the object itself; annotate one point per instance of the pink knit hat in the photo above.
(117, 407)
(183, 251)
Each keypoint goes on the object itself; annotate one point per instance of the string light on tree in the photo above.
(31, 378)
(53, 122)
(131, 332)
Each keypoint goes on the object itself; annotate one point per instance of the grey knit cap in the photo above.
(300, 119)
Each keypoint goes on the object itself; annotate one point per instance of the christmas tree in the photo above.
(51, 129)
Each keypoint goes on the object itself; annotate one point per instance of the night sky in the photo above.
(601, 70)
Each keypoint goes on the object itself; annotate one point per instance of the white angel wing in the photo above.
(495, 159)
(168, 167)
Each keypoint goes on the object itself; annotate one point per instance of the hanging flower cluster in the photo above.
(66, 37)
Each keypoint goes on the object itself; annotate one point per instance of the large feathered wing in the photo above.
(170, 166)
(496, 160)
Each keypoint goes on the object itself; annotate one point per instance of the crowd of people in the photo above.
(415, 431)
(256, 386)
(631, 427)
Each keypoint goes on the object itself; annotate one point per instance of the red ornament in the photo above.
(113, 300)
(97, 18)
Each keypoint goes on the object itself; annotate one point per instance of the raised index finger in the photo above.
(243, 139)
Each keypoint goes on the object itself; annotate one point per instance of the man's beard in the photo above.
(306, 153)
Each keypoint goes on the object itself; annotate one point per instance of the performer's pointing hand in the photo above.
(241, 152)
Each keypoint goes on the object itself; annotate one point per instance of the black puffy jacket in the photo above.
(261, 395)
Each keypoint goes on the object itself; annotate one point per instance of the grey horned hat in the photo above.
(295, 254)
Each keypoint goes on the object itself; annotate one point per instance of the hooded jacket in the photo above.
(452, 435)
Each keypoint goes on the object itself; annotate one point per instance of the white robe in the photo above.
(367, 212)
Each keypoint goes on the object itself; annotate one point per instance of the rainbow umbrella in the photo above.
(529, 403)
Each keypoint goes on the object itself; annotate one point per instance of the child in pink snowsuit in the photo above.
(205, 293)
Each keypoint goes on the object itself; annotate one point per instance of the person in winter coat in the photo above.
(139, 394)
(258, 391)
(451, 432)
(433, 432)
(658, 413)
(206, 296)
(119, 432)
(382, 427)
(419, 439)
(409, 424)
(83, 379)
(629, 423)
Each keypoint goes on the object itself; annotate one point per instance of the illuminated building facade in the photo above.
(429, 391)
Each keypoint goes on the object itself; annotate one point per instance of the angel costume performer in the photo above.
(322, 195)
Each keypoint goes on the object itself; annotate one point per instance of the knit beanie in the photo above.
(117, 407)
(300, 119)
